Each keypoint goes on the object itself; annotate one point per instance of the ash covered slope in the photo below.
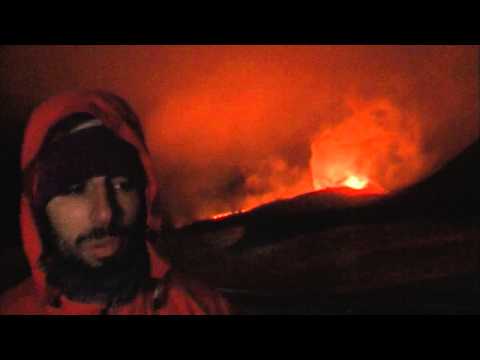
(330, 244)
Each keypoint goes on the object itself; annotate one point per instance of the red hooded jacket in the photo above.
(174, 293)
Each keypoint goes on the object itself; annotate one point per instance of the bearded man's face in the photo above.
(98, 231)
(91, 210)
(92, 220)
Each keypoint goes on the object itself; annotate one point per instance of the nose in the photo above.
(101, 205)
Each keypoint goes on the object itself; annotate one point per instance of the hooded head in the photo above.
(89, 196)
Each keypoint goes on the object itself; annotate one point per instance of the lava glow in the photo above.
(353, 185)
(355, 182)
(227, 213)
(350, 158)
(273, 124)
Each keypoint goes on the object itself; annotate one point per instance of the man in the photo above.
(87, 217)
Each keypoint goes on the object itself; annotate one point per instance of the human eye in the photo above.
(122, 184)
(75, 189)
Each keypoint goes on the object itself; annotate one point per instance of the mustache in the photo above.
(99, 233)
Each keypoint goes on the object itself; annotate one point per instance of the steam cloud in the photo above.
(231, 126)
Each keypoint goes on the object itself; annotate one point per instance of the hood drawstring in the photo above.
(160, 294)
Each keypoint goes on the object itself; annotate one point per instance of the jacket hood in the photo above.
(116, 115)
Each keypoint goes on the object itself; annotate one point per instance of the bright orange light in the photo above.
(355, 182)
(377, 143)
(358, 156)
(227, 213)
(222, 215)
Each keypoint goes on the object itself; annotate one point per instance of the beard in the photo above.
(117, 280)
